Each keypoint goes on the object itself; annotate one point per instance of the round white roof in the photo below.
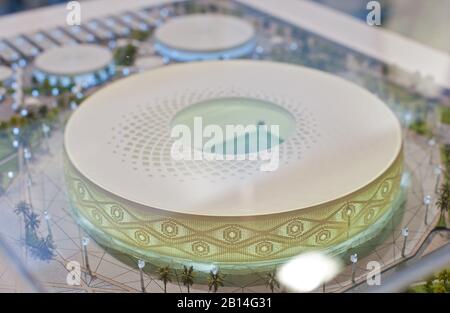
(73, 60)
(205, 33)
(5, 73)
(344, 138)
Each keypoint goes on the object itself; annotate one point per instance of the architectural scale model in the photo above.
(200, 146)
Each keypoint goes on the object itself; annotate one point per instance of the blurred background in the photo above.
(424, 21)
(11, 6)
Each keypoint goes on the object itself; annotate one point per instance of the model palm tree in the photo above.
(447, 159)
(443, 202)
(164, 276)
(215, 280)
(46, 87)
(23, 208)
(33, 222)
(50, 243)
(271, 281)
(42, 249)
(187, 276)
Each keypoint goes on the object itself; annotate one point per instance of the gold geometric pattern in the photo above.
(169, 228)
(232, 234)
(323, 236)
(232, 239)
(200, 248)
(142, 237)
(264, 248)
(116, 213)
(294, 228)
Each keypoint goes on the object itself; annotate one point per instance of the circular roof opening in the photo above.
(235, 125)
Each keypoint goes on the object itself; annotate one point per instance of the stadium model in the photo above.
(338, 181)
(85, 65)
(205, 37)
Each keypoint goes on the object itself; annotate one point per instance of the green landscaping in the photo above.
(45, 88)
(442, 223)
(445, 157)
(126, 55)
(444, 113)
(140, 35)
(6, 147)
(31, 135)
(420, 127)
(438, 283)
(417, 289)
(11, 165)
(445, 153)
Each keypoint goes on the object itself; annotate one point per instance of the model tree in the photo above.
(215, 280)
(429, 284)
(443, 202)
(41, 248)
(45, 87)
(187, 276)
(271, 281)
(125, 56)
(444, 277)
(165, 276)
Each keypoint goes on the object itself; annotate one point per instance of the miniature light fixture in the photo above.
(85, 241)
(426, 202)
(354, 260)
(405, 233)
